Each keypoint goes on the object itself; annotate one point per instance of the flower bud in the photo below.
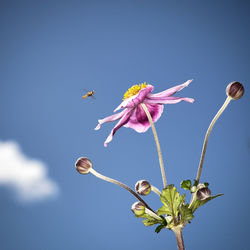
(83, 165)
(142, 187)
(235, 90)
(138, 208)
(203, 193)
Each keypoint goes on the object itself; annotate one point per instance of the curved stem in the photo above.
(207, 135)
(157, 144)
(105, 178)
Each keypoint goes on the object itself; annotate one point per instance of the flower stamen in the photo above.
(134, 90)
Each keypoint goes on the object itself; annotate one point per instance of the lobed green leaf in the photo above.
(171, 200)
(199, 203)
(186, 213)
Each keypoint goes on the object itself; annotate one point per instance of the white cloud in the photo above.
(27, 177)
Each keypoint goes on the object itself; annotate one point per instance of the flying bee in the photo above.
(90, 93)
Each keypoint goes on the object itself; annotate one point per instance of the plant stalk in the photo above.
(105, 178)
(207, 135)
(157, 144)
(179, 239)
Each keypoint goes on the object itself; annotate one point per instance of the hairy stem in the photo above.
(155, 190)
(105, 178)
(179, 239)
(207, 135)
(157, 144)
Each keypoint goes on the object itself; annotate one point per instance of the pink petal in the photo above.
(110, 119)
(170, 91)
(124, 103)
(169, 100)
(121, 123)
(136, 99)
(138, 119)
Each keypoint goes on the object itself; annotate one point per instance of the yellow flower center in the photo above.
(134, 90)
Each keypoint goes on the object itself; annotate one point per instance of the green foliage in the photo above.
(197, 203)
(186, 213)
(172, 200)
(162, 225)
(195, 183)
(186, 184)
(150, 221)
(175, 212)
(174, 206)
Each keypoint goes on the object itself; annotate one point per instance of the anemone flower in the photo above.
(133, 116)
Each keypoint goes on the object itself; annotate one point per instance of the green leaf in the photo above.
(186, 213)
(206, 184)
(162, 225)
(195, 183)
(186, 184)
(159, 228)
(164, 210)
(199, 203)
(172, 201)
(163, 222)
(150, 222)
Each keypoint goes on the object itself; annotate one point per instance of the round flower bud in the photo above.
(138, 208)
(83, 165)
(235, 90)
(203, 193)
(142, 187)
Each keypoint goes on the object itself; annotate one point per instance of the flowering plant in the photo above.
(141, 109)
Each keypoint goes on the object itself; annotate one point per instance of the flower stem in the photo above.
(157, 144)
(179, 239)
(149, 212)
(207, 135)
(155, 190)
(105, 178)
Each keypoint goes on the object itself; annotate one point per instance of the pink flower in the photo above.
(133, 115)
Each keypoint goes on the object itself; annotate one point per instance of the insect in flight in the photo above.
(90, 93)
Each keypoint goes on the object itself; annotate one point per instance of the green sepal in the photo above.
(199, 203)
(186, 184)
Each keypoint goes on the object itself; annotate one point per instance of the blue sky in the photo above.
(51, 51)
